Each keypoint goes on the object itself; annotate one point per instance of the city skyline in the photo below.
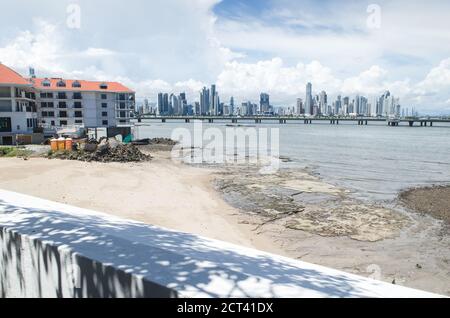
(244, 47)
(383, 105)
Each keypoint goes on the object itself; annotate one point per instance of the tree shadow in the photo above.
(120, 258)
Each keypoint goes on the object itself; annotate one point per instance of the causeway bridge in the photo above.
(412, 122)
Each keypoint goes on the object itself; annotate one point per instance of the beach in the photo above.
(307, 218)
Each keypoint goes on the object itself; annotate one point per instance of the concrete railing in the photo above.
(54, 250)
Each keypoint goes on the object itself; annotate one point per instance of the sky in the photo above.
(246, 47)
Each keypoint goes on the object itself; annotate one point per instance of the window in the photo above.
(76, 84)
(62, 96)
(63, 114)
(47, 105)
(103, 86)
(63, 122)
(78, 114)
(5, 92)
(77, 105)
(46, 95)
(77, 95)
(105, 123)
(61, 83)
(78, 121)
(5, 124)
(6, 106)
(46, 83)
(122, 114)
(104, 96)
(122, 105)
(62, 105)
(29, 122)
(52, 123)
(104, 114)
(121, 96)
(44, 114)
(104, 105)
(51, 114)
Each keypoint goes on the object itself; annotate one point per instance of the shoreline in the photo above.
(413, 251)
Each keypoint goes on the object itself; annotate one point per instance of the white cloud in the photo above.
(179, 45)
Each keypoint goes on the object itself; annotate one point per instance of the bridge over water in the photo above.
(412, 122)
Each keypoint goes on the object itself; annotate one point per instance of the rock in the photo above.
(113, 143)
(90, 147)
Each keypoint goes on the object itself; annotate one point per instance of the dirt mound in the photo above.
(106, 151)
(432, 200)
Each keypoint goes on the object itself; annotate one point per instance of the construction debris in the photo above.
(155, 141)
(108, 150)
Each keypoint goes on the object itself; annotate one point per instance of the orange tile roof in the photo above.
(93, 86)
(8, 76)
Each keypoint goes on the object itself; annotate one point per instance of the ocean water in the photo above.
(375, 162)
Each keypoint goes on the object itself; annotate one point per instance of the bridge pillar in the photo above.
(367, 122)
(210, 120)
(411, 124)
(163, 120)
(431, 124)
(337, 122)
(187, 120)
(139, 120)
(426, 124)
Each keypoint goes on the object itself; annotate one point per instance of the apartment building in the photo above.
(27, 104)
(18, 111)
(62, 102)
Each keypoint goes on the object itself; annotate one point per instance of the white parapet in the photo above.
(54, 250)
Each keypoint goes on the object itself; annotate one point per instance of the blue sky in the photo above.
(246, 47)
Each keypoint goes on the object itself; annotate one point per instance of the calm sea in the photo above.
(375, 162)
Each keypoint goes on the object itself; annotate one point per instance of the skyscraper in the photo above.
(232, 105)
(264, 103)
(323, 103)
(300, 108)
(163, 104)
(204, 101)
(309, 100)
(213, 102)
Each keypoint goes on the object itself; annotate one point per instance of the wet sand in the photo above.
(434, 201)
(291, 213)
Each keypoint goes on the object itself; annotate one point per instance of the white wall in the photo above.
(53, 250)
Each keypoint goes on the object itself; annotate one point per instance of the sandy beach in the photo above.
(318, 223)
(159, 192)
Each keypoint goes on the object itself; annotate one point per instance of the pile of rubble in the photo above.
(155, 141)
(108, 150)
